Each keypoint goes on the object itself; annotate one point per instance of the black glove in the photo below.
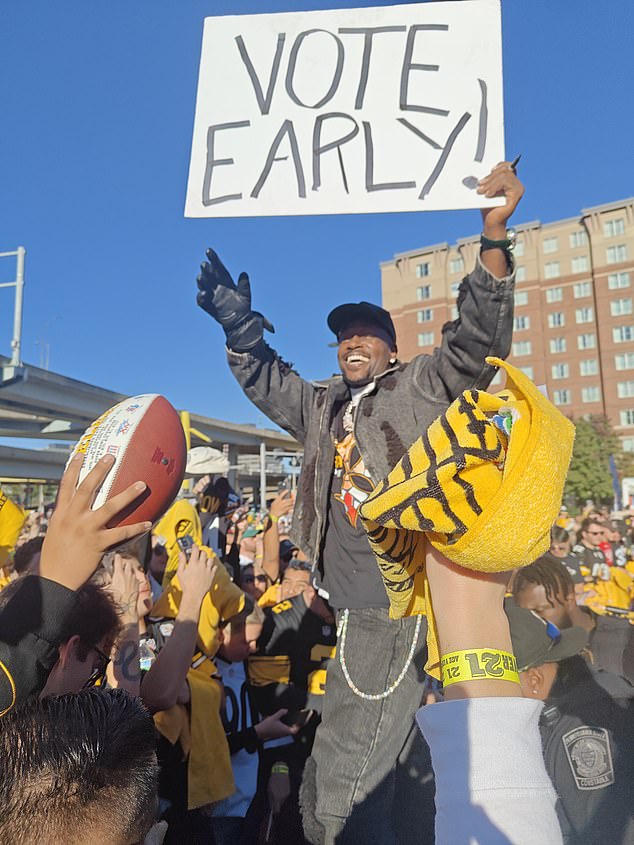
(230, 304)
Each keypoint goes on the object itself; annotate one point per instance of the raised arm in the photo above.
(269, 382)
(162, 685)
(485, 303)
(32, 623)
(491, 782)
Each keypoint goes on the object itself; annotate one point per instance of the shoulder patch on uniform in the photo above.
(590, 757)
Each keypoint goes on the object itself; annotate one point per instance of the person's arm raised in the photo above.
(484, 325)
(163, 683)
(268, 381)
(491, 782)
(502, 181)
(281, 505)
(78, 536)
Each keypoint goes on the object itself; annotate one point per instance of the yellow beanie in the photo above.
(483, 484)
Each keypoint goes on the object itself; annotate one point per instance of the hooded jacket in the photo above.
(404, 401)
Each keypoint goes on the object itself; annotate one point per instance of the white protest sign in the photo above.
(393, 108)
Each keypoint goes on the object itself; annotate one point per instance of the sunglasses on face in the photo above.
(98, 674)
(249, 579)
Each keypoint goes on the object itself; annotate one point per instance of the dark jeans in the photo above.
(368, 780)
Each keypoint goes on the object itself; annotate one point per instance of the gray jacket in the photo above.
(405, 401)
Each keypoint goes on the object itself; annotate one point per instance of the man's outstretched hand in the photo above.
(78, 536)
(228, 303)
(502, 181)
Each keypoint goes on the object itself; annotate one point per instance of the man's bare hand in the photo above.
(124, 588)
(501, 182)
(196, 575)
(282, 504)
(274, 728)
(77, 536)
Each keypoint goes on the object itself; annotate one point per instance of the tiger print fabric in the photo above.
(485, 498)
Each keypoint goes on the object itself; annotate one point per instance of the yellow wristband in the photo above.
(279, 769)
(478, 664)
(274, 519)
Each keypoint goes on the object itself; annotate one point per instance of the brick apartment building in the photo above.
(574, 320)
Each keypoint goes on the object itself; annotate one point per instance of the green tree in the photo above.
(589, 475)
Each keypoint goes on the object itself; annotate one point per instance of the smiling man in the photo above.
(355, 427)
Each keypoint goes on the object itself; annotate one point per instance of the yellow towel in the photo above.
(11, 521)
(202, 739)
(484, 497)
(271, 596)
(209, 765)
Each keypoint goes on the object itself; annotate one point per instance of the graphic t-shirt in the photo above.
(351, 575)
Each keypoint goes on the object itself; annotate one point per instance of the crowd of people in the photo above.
(234, 675)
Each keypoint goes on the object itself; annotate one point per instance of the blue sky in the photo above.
(97, 110)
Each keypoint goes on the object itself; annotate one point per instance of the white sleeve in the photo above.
(491, 783)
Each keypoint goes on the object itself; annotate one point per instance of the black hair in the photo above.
(548, 573)
(559, 535)
(25, 553)
(591, 520)
(94, 615)
(74, 766)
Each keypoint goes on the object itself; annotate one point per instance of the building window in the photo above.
(590, 394)
(624, 361)
(578, 239)
(618, 307)
(627, 444)
(518, 249)
(554, 294)
(454, 312)
(551, 270)
(522, 347)
(622, 334)
(625, 389)
(521, 297)
(627, 417)
(556, 319)
(560, 371)
(521, 323)
(456, 265)
(426, 339)
(616, 254)
(520, 274)
(612, 228)
(589, 367)
(455, 287)
(557, 344)
(579, 264)
(586, 341)
(423, 292)
(528, 371)
(561, 397)
(584, 315)
(582, 289)
(551, 244)
(618, 280)
(422, 270)
(425, 315)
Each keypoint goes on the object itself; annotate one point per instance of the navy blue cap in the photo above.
(361, 312)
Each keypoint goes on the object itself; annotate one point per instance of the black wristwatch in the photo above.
(507, 244)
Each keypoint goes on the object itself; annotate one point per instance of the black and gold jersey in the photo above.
(293, 650)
